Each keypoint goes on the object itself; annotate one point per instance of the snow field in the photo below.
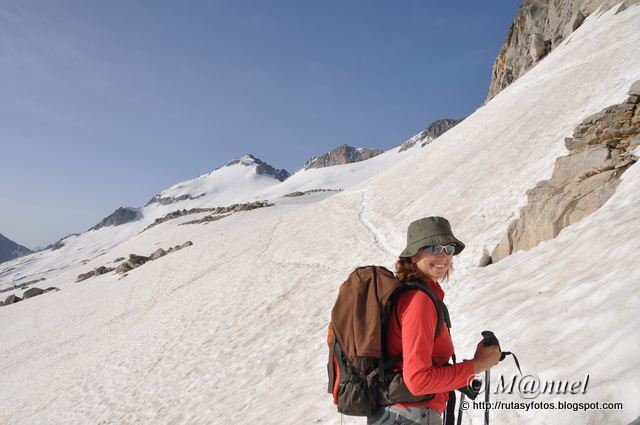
(232, 329)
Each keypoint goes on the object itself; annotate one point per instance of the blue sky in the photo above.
(105, 103)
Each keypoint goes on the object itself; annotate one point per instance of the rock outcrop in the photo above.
(32, 292)
(168, 200)
(222, 212)
(157, 254)
(306, 192)
(10, 250)
(120, 216)
(262, 167)
(97, 272)
(343, 154)
(600, 150)
(216, 211)
(431, 132)
(12, 299)
(539, 27)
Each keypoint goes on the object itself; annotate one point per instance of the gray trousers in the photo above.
(392, 415)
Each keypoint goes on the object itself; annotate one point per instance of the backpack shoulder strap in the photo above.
(441, 309)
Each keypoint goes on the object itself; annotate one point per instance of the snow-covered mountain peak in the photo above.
(261, 167)
(246, 160)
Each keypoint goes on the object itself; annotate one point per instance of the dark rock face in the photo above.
(120, 216)
(262, 167)
(32, 292)
(600, 150)
(12, 299)
(539, 27)
(432, 132)
(343, 154)
(10, 250)
(267, 170)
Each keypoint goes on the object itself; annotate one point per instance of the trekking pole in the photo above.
(488, 339)
(487, 380)
(459, 422)
(471, 391)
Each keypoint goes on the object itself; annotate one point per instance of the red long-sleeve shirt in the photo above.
(422, 356)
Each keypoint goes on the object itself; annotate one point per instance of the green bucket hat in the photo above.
(430, 231)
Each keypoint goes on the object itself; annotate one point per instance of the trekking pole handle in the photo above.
(488, 339)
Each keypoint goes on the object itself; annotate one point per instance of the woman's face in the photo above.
(432, 266)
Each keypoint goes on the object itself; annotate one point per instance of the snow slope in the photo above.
(232, 329)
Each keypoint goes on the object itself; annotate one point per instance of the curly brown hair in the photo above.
(406, 270)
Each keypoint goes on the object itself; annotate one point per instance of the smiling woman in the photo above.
(414, 337)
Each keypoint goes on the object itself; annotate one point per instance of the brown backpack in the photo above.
(361, 376)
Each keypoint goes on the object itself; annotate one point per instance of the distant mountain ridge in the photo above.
(10, 250)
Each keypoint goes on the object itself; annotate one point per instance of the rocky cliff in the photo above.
(343, 154)
(539, 27)
(601, 149)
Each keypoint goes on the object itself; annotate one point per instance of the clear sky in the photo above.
(105, 103)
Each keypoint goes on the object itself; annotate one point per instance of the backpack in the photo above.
(361, 376)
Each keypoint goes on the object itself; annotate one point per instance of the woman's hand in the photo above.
(485, 357)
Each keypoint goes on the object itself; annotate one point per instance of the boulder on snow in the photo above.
(137, 260)
(117, 260)
(123, 268)
(32, 292)
(51, 288)
(157, 254)
(186, 244)
(12, 299)
(102, 270)
(84, 276)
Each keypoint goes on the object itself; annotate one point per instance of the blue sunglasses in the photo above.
(437, 249)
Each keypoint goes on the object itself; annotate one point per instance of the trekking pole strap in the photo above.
(515, 359)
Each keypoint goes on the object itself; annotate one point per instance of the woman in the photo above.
(427, 258)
